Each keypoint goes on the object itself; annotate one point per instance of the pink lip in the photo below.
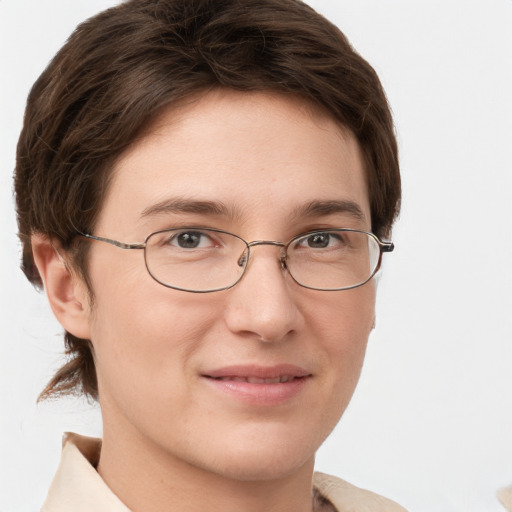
(259, 385)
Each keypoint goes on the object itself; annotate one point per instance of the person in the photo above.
(206, 189)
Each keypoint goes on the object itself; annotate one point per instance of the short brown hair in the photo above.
(121, 67)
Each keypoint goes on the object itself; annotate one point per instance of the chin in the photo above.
(263, 468)
(261, 458)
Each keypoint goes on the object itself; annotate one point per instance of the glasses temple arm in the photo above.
(121, 245)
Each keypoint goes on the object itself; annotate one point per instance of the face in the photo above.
(193, 376)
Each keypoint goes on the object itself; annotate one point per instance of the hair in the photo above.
(120, 68)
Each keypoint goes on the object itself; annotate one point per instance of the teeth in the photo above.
(257, 380)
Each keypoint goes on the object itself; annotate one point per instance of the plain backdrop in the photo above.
(430, 424)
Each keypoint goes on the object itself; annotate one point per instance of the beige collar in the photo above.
(349, 498)
(505, 497)
(78, 487)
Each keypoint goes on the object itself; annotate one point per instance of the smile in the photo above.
(258, 385)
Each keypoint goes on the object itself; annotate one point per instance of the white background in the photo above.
(431, 422)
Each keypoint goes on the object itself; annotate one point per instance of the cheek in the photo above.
(345, 320)
(343, 328)
(142, 340)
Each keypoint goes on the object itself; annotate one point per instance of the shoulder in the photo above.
(348, 498)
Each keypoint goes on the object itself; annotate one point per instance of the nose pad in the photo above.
(282, 260)
(244, 257)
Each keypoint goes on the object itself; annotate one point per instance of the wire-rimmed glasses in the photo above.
(203, 260)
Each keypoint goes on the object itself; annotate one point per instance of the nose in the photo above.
(263, 304)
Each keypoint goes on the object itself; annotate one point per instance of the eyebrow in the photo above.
(329, 207)
(183, 205)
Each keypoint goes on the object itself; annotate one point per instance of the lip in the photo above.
(259, 385)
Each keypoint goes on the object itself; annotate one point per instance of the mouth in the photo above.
(258, 385)
(257, 380)
(255, 374)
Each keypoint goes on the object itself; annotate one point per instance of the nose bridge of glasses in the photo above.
(266, 242)
(244, 257)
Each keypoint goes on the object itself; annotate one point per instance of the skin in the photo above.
(169, 435)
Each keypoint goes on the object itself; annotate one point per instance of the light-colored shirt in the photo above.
(77, 486)
(505, 497)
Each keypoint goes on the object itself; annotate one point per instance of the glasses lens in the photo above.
(333, 259)
(197, 260)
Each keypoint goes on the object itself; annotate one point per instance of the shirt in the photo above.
(77, 486)
(505, 497)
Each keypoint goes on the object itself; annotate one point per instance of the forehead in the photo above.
(244, 151)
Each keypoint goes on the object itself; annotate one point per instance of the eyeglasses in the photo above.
(202, 260)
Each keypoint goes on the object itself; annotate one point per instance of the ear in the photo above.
(66, 292)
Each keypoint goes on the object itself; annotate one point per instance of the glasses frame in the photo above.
(384, 246)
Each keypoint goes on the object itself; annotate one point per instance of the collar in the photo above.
(77, 486)
(349, 498)
(505, 497)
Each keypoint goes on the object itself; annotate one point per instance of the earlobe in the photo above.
(66, 293)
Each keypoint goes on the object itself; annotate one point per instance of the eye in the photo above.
(321, 240)
(318, 240)
(191, 240)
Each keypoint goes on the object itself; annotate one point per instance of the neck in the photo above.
(148, 479)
